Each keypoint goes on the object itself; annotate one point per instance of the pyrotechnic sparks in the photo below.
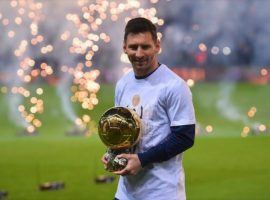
(245, 131)
(209, 129)
(25, 24)
(264, 72)
(87, 42)
(190, 82)
(254, 129)
(252, 111)
(21, 25)
(202, 47)
(124, 58)
(35, 106)
(262, 128)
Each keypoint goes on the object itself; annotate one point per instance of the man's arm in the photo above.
(179, 106)
(180, 139)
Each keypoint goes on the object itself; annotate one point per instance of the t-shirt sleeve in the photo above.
(179, 103)
(117, 95)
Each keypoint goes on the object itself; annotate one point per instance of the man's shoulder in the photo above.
(173, 83)
(171, 77)
(126, 78)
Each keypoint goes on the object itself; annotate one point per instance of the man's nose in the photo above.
(139, 52)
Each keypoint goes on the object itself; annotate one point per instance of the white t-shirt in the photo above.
(162, 100)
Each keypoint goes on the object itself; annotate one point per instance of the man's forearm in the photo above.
(180, 139)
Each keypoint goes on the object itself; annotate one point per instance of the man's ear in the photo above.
(124, 47)
(158, 46)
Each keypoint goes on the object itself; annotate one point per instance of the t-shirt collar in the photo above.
(143, 77)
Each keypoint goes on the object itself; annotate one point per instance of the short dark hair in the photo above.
(140, 25)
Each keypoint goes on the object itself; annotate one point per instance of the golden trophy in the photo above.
(119, 129)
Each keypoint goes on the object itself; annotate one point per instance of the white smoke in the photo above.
(225, 105)
(63, 91)
(9, 64)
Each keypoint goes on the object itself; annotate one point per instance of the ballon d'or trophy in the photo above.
(119, 129)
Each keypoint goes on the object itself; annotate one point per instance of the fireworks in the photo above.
(252, 111)
(209, 129)
(190, 82)
(20, 24)
(264, 72)
(24, 26)
(202, 47)
(87, 42)
(253, 128)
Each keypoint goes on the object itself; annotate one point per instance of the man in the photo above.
(164, 103)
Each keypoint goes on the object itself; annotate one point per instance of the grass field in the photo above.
(221, 165)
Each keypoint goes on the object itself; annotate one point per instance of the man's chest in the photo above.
(144, 100)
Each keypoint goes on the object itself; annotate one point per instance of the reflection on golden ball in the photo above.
(119, 127)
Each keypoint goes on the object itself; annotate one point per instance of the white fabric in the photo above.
(162, 100)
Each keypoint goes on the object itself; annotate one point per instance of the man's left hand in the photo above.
(133, 165)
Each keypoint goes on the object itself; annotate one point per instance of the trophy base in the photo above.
(116, 164)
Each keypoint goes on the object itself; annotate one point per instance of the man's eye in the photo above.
(145, 47)
(133, 47)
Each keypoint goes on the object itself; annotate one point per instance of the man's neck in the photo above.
(146, 74)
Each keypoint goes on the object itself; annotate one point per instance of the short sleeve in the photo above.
(117, 95)
(180, 108)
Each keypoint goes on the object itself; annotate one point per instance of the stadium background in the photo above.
(59, 61)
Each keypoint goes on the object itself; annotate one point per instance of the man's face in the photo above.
(142, 52)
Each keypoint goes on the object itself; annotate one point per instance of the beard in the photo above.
(139, 63)
(142, 66)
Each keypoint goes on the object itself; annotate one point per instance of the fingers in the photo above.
(104, 161)
(129, 169)
(123, 155)
(122, 172)
(132, 167)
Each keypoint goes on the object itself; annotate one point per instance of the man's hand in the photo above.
(133, 165)
(104, 160)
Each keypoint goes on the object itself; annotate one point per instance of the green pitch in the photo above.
(221, 165)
